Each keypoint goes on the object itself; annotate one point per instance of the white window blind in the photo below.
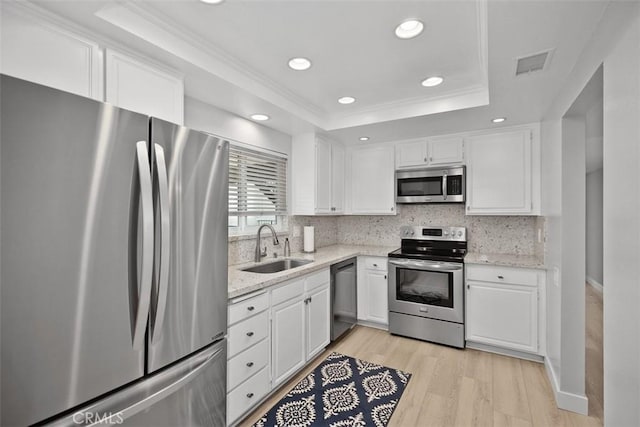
(257, 183)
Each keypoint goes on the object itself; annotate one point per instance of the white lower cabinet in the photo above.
(503, 307)
(248, 343)
(288, 334)
(318, 314)
(271, 336)
(373, 294)
(300, 323)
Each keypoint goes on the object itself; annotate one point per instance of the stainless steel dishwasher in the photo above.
(344, 311)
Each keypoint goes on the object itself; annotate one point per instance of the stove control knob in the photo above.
(406, 232)
(446, 233)
(412, 232)
(459, 233)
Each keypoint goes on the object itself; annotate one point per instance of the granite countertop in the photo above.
(507, 260)
(244, 282)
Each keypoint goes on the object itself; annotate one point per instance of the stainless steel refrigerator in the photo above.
(113, 266)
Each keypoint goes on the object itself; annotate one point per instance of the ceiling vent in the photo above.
(532, 63)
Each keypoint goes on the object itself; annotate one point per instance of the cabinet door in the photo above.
(502, 315)
(373, 181)
(140, 87)
(499, 173)
(323, 176)
(337, 178)
(445, 151)
(40, 52)
(377, 297)
(410, 154)
(318, 314)
(287, 339)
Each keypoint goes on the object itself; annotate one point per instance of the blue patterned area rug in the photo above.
(340, 392)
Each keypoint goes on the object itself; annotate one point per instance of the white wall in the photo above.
(201, 116)
(621, 223)
(615, 44)
(594, 227)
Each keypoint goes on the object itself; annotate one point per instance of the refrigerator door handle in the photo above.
(165, 244)
(146, 264)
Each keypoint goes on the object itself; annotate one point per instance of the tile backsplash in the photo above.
(517, 235)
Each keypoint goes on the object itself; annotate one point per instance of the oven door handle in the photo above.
(425, 265)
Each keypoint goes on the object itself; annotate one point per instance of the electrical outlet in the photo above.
(297, 231)
(539, 235)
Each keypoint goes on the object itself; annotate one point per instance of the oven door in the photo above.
(431, 289)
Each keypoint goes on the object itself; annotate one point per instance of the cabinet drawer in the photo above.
(373, 263)
(247, 363)
(317, 279)
(497, 274)
(247, 395)
(247, 308)
(244, 334)
(287, 292)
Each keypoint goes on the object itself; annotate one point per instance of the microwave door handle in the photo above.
(444, 186)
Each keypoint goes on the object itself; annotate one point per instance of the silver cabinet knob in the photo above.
(500, 277)
(249, 364)
(251, 308)
(249, 395)
(249, 334)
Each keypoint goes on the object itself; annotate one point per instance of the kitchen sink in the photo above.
(276, 266)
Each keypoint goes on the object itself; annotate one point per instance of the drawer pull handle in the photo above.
(251, 308)
(375, 265)
(500, 277)
(249, 395)
(249, 334)
(249, 364)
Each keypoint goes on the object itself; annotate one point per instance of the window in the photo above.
(257, 189)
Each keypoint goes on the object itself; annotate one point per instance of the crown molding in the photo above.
(473, 96)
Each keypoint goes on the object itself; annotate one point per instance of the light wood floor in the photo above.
(593, 355)
(451, 387)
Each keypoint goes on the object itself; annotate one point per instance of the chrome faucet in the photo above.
(263, 253)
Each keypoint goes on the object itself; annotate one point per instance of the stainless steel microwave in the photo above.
(433, 185)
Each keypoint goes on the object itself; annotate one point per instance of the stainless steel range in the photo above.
(426, 284)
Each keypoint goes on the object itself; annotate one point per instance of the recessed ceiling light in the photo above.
(346, 100)
(409, 29)
(212, 1)
(299, 64)
(499, 119)
(260, 117)
(364, 138)
(432, 81)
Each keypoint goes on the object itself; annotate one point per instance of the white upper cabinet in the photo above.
(337, 178)
(317, 175)
(141, 87)
(445, 150)
(435, 151)
(323, 176)
(372, 189)
(411, 154)
(44, 53)
(503, 173)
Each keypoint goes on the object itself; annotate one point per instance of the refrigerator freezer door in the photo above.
(190, 393)
(195, 296)
(70, 193)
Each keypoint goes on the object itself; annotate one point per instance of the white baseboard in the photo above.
(595, 284)
(565, 400)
